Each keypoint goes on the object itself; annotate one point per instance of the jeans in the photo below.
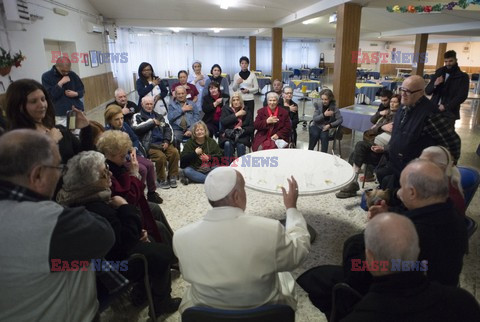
(194, 175)
(315, 134)
(229, 149)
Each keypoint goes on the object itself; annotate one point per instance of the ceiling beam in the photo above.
(159, 23)
(438, 29)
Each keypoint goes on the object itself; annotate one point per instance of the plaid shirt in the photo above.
(444, 134)
(10, 191)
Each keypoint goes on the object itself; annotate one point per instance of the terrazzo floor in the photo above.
(333, 219)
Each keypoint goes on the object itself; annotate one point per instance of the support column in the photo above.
(419, 54)
(346, 48)
(442, 49)
(252, 45)
(277, 38)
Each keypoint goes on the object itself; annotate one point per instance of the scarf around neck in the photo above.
(95, 191)
(244, 75)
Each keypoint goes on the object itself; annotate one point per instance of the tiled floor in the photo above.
(334, 219)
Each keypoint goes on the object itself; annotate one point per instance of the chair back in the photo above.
(470, 179)
(265, 313)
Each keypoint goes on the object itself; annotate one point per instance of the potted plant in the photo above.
(8, 60)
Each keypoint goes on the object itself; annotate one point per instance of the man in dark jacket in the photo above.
(128, 107)
(156, 137)
(405, 294)
(449, 88)
(65, 88)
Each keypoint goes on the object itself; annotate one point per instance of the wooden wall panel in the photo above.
(98, 89)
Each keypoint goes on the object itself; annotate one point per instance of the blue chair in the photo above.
(266, 313)
(470, 179)
(296, 72)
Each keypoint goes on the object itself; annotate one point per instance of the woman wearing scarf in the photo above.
(212, 107)
(237, 129)
(216, 76)
(116, 146)
(87, 183)
(247, 83)
(272, 123)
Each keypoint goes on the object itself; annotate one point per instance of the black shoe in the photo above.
(138, 295)
(184, 181)
(154, 197)
(167, 306)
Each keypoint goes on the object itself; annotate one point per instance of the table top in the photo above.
(361, 109)
(316, 172)
(299, 81)
(360, 85)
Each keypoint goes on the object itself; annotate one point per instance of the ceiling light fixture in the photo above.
(216, 30)
(310, 21)
(333, 18)
(175, 29)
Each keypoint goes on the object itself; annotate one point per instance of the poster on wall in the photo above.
(93, 58)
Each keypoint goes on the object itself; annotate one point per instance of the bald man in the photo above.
(442, 236)
(128, 107)
(235, 261)
(415, 127)
(65, 88)
(405, 295)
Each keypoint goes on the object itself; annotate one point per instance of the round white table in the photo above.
(316, 172)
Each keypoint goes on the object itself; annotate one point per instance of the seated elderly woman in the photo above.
(272, 123)
(114, 120)
(442, 157)
(237, 128)
(212, 106)
(87, 183)
(117, 148)
(200, 155)
(326, 116)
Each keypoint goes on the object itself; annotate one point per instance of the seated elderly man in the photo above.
(182, 114)
(128, 107)
(40, 240)
(277, 87)
(405, 294)
(235, 261)
(156, 137)
(442, 235)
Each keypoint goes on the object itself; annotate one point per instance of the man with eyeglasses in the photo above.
(36, 232)
(415, 127)
(449, 88)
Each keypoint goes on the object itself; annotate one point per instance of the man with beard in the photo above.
(449, 88)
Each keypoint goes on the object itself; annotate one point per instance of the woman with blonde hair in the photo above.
(200, 155)
(442, 157)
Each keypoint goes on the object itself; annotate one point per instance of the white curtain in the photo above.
(171, 53)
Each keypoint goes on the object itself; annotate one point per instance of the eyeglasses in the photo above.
(288, 93)
(62, 167)
(106, 172)
(408, 92)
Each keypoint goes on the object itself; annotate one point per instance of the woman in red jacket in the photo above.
(272, 123)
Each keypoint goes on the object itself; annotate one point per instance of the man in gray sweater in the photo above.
(37, 234)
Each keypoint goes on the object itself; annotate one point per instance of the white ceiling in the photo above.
(257, 17)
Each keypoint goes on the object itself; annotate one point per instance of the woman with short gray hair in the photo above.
(87, 183)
